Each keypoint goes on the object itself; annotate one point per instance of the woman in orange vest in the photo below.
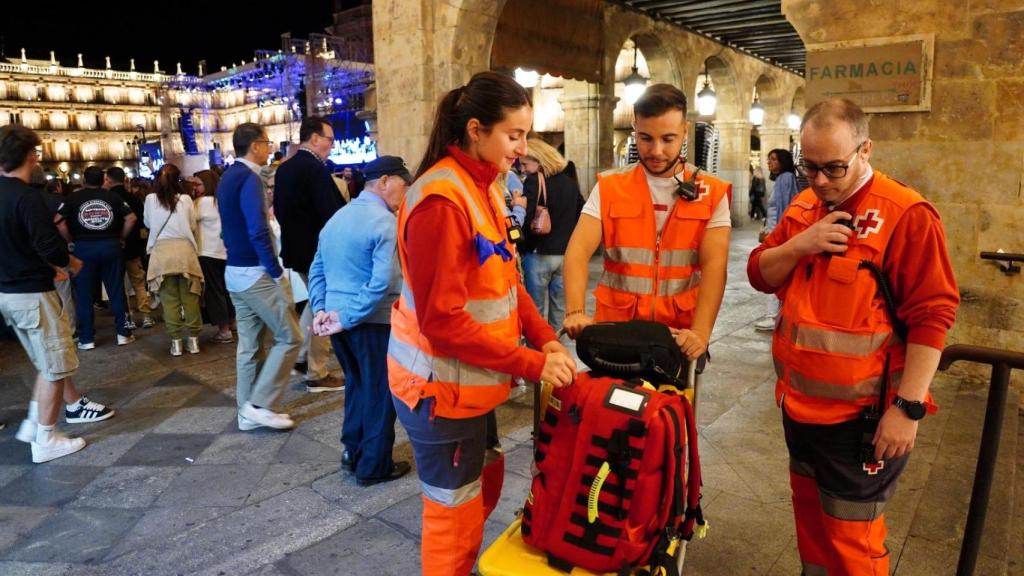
(457, 326)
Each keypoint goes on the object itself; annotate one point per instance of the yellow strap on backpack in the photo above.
(595, 491)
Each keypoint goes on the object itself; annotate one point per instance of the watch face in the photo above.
(913, 410)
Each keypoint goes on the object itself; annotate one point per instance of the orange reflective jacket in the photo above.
(646, 276)
(833, 333)
(414, 371)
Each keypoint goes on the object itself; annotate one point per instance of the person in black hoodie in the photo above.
(134, 245)
(305, 198)
(552, 182)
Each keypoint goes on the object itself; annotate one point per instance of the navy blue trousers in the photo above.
(368, 431)
(101, 260)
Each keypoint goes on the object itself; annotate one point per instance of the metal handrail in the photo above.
(1002, 362)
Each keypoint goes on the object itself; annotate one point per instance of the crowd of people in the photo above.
(416, 284)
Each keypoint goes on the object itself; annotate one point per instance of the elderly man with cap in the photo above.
(353, 281)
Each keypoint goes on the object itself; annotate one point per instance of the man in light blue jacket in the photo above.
(353, 281)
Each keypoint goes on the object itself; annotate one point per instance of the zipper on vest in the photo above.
(657, 264)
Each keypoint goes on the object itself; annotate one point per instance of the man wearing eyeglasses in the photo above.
(257, 285)
(859, 262)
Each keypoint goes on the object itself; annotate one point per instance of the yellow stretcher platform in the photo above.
(510, 556)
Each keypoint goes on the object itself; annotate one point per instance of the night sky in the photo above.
(221, 32)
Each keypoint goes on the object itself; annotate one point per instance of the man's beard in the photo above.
(668, 169)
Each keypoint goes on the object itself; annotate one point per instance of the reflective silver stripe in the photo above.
(415, 194)
(833, 341)
(488, 311)
(624, 283)
(680, 257)
(847, 510)
(638, 256)
(451, 497)
(673, 286)
(800, 468)
(407, 296)
(452, 370)
(410, 357)
(814, 569)
(833, 391)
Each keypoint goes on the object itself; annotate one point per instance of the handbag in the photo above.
(541, 223)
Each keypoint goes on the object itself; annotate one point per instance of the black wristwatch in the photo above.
(913, 410)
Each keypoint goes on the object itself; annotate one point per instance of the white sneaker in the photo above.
(147, 321)
(176, 347)
(766, 324)
(192, 344)
(86, 345)
(246, 424)
(264, 417)
(51, 444)
(27, 431)
(122, 340)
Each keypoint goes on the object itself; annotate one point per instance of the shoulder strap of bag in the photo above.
(542, 197)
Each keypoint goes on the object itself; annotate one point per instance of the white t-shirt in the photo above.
(663, 192)
(208, 217)
(180, 224)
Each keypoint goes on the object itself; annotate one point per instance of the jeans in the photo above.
(101, 260)
(546, 285)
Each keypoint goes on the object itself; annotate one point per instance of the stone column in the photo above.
(734, 164)
(589, 130)
(771, 138)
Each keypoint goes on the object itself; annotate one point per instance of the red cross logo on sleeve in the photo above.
(873, 468)
(868, 223)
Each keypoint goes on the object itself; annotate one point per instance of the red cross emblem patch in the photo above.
(868, 223)
(873, 468)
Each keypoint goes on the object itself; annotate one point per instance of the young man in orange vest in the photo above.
(665, 231)
(852, 378)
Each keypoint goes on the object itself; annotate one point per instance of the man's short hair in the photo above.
(116, 175)
(278, 155)
(16, 143)
(659, 99)
(93, 176)
(243, 137)
(312, 125)
(827, 113)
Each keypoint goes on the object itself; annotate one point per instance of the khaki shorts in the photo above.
(42, 327)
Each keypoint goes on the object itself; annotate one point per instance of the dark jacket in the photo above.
(564, 205)
(243, 218)
(29, 241)
(305, 198)
(134, 245)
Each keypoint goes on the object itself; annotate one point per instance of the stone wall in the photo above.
(967, 154)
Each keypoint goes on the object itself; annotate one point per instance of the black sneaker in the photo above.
(347, 463)
(87, 411)
(398, 469)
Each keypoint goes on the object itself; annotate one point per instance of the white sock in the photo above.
(44, 433)
(73, 407)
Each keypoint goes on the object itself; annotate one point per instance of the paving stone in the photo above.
(299, 449)
(198, 420)
(79, 535)
(10, 473)
(101, 450)
(36, 568)
(160, 524)
(15, 452)
(47, 485)
(165, 397)
(406, 514)
(166, 450)
(219, 485)
(370, 547)
(271, 570)
(252, 447)
(519, 460)
(126, 487)
(341, 487)
(241, 541)
(744, 537)
(131, 420)
(280, 478)
(923, 557)
(18, 521)
(513, 496)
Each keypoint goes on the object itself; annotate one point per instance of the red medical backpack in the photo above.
(609, 493)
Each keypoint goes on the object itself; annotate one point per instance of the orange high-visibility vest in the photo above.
(414, 370)
(646, 276)
(833, 333)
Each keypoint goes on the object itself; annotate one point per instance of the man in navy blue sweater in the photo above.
(257, 285)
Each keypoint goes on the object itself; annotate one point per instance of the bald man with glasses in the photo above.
(860, 265)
